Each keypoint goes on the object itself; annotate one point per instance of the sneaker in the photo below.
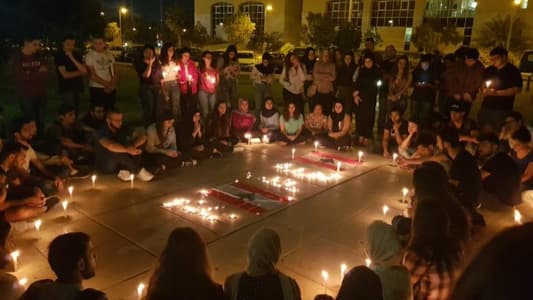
(124, 175)
(189, 163)
(145, 175)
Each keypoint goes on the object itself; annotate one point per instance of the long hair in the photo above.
(230, 48)
(288, 64)
(164, 53)
(405, 71)
(147, 46)
(286, 115)
(182, 264)
(203, 66)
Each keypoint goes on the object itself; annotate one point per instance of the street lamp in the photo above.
(516, 4)
(134, 29)
(269, 8)
(121, 11)
(102, 14)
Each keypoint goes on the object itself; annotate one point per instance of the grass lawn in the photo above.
(128, 100)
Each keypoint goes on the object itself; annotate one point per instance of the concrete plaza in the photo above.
(322, 227)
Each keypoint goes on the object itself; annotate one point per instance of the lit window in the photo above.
(523, 4)
(338, 10)
(393, 13)
(219, 12)
(256, 11)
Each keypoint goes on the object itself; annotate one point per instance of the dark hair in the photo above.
(17, 124)
(370, 39)
(266, 56)
(68, 36)
(91, 294)
(522, 135)
(499, 51)
(288, 63)
(396, 108)
(396, 71)
(472, 53)
(95, 105)
(203, 67)
(148, 46)
(164, 53)
(65, 109)
(451, 136)
(286, 115)
(185, 50)
(516, 116)
(182, 264)
(65, 252)
(230, 48)
(10, 148)
(501, 270)
(490, 138)
(305, 58)
(112, 111)
(352, 56)
(425, 58)
(267, 98)
(449, 57)
(360, 283)
(369, 55)
(32, 36)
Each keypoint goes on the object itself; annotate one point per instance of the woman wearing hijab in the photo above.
(360, 283)
(384, 250)
(262, 280)
(339, 123)
(269, 120)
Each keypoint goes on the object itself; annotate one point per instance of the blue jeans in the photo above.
(172, 89)
(207, 102)
(150, 102)
(34, 108)
(261, 92)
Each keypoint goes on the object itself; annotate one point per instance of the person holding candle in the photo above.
(209, 80)
(229, 70)
(218, 130)
(117, 150)
(150, 76)
(261, 276)
(324, 76)
(292, 80)
(365, 97)
(499, 95)
(183, 270)
(170, 89)
(188, 81)
(269, 120)
(339, 125)
(242, 121)
(394, 133)
(424, 91)
(291, 126)
(316, 124)
(103, 80)
(262, 76)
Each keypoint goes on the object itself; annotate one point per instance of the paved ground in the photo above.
(320, 229)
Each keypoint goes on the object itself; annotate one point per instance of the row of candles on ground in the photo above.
(286, 184)
(209, 213)
(300, 173)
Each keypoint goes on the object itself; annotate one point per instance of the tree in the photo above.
(320, 29)
(199, 35)
(430, 35)
(494, 33)
(266, 42)
(239, 28)
(112, 34)
(348, 37)
(178, 22)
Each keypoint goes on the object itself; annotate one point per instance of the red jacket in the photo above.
(188, 75)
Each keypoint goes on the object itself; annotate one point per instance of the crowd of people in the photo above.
(194, 111)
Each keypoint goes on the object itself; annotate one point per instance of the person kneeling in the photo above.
(113, 152)
(339, 123)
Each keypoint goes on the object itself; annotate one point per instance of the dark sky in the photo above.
(147, 8)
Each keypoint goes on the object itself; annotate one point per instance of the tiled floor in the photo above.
(320, 230)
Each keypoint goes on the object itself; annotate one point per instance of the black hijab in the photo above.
(267, 113)
(337, 118)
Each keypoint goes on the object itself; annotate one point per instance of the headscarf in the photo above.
(360, 283)
(267, 113)
(264, 250)
(382, 242)
(337, 118)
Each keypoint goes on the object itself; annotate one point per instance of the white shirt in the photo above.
(170, 71)
(102, 62)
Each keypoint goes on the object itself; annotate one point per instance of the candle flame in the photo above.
(325, 275)
(140, 289)
(15, 255)
(405, 191)
(70, 190)
(38, 224)
(517, 216)
(64, 204)
(368, 262)
(93, 178)
(23, 281)
(344, 267)
(385, 210)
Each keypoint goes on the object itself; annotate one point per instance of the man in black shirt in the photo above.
(503, 82)
(95, 118)
(395, 132)
(70, 72)
(500, 174)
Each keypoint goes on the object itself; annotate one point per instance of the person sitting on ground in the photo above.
(418, 146)
(433, 254)
(242, 121)
(161, 150)
(360, 283)
(291, 126)
(191, 139)
(67, 134)
(93, 120)
(339, 125)
(269, 120)
(384, 250)
(394, 133)
(183, 270)
(10, 288)
(72, 258)
(501, 270)
(500, 174)
(218, 129)
(262, 280)
(466, 128)
(522, 154)
(513, 122)
(114, 151)
(316, 124)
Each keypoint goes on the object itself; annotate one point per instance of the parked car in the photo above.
(299, 51)
(277, 61)
(526, 63)
(246, 60)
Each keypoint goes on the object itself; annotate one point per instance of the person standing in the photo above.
(188, 81)
(424, 92)
(387, 67)
(150, 76)
(399, 82)
(365, 97)
(209, 80)
(345, 82)
(70, 71)
(169, 85)
(229, 69)
(468, 79)
(292, 79)
(324, 76)
(503, 82)
(308, 60)
(262, 76)
(30, 74)
(103, 79)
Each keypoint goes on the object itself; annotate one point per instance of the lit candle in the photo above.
(293, 151)
(325, 277)
(189, 78)
(15, 258)
(248, 136)
(405, 192)
(233, 217)
(394, 158)
(211, 79)
(339, 166)
(368, 262)
(64, 204)
(93, 179)
(140, 290)
(132, 184)
(23, 281)
(316, 146)
(38, 224)
(517, 217)
(70, 191)
(360, 154)
(488, 83)
(385, 210)
(343, 272)
(266, 140)
(164, 74)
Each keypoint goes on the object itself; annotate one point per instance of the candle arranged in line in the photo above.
(22, 282)
(405, 192)
(140, 290)
(266, 140)
(517, 216)
(71, 191)
(488, 83)
(385, 210)
(360, 155)
(15, 258)
(93, 180)
(132, 181)
(293, 151)
(316, 146)
(339, 164)
(64, 204)
(38, 223)
(344, 267)
(394, 158)
(325, 277)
